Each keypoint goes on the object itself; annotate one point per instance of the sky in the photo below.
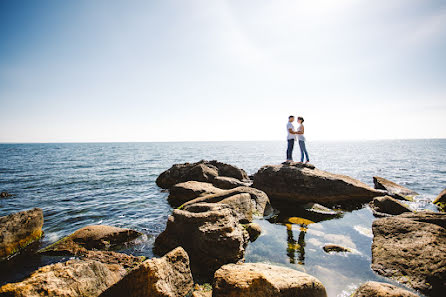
(201, 70)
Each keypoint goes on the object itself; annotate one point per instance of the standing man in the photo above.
(291, 138)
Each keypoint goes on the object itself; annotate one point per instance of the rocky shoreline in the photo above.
(207, 234)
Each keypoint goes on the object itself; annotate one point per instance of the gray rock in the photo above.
(393, 189)
(411, 248)
(387, 205)
(227, 183)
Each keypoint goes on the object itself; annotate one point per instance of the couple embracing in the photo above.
(294, 133)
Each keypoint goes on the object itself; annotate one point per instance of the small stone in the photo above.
(335, 248)
(254, 231)
(377, 289)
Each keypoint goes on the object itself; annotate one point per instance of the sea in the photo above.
(79, 184)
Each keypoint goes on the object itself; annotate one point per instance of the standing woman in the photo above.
(301, 138)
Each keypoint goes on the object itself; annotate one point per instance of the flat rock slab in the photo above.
(203, 171)
(69, 279)
(262, 280)
(301, 184)
(377, 289)
(91, 237)
(169, 276)
(386, 205)
(411, 248)
(18, 230)
(393, 189)
(209, 232)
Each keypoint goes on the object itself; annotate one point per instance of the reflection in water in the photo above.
(299, 246)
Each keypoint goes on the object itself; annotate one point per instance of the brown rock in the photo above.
(209, 232)
(335, 248)
(184, 192)
(18, 230)
(411, 248)
(91, 237)
(168, 276)
(68, 279)
(202, 294)
(254, 231)
(300, 184)
(204, 171)
(109, 257)
(394, 189)
(260, 201)
(377, 289)
(262, 280)
(227, 183)
(440, 201)
(388, 205)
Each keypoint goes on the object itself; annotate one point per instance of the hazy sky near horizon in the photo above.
(221, 70)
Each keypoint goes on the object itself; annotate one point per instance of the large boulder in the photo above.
(204, 171)
(411, 248)
(440, 201)
(386, 205)
(169, 276)
(18, 230)
(69, 279)
(209, 232)
(262, 280)
(299, 183)
(224, 182)
(377, 289)
(183, 192)
(259, 200)
(393, 189)
(99, 237)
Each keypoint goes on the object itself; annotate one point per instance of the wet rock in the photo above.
(99, 237)
(68, 279)
(19, 230)
(319, 209)
(209, 232)
(411, 248)
(184, 192)
(335, 248)
(262, 280)
(169, 276)
(393, 189)
(203, 171)
(5, 194)
(440, 201)
(377, 289)
(254, 231)
(260, 201)
(227, 183)
(387, 205)
(300, 184)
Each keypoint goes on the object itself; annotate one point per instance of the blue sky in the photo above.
(221, 70)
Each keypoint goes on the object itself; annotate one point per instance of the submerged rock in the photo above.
(262, 280)
(209, 232)
(411, 248)
(69, 279)
(300, 184)
(335, 248)
(224, 182)
(5, 194)
(203, 171)
(393, 189)
(387, 205)
(377, 289)
(440, 201)
(169, 276)
(91, 237)
(259, 200)
(184, 192)
(19, 230)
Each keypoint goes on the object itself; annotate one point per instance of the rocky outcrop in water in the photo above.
(440, 201)
(377, 289)
(262, 280)
(209, 232)
(393, 189)
(203, 171)
(386, 205)
(69, 279)
(169, 276)
(226, 183)
(100, 237)
(301, 183)
(184, 192)
(411, 248)
(254, 231)
(5, 194)
(19, 230)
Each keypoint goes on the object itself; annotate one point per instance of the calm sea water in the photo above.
(114, 183)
